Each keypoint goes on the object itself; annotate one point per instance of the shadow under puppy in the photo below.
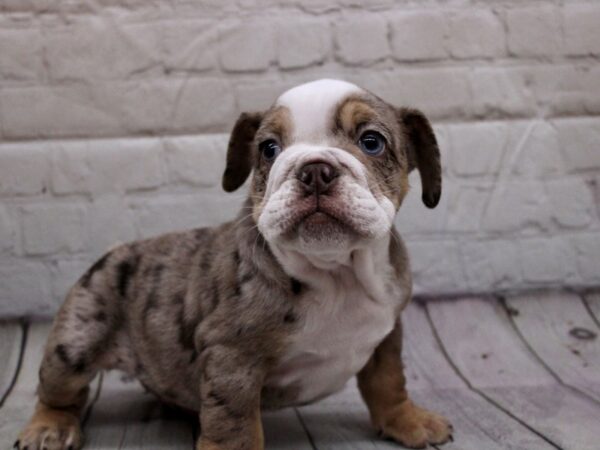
(279, 307)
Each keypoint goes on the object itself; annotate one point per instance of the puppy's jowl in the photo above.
(279, 307)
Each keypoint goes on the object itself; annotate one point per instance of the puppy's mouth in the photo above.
(320, 218)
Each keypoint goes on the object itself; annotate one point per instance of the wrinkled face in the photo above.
(331, 164)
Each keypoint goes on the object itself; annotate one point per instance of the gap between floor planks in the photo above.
(488, 410)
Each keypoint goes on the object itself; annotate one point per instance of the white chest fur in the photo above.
(340, 329)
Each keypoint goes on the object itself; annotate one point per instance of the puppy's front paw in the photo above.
(51, 429)
(205, 444)
(415, 427)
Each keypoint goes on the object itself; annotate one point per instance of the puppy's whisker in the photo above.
(239, 221)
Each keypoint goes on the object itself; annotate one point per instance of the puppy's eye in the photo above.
(269, 149)
(372, 143)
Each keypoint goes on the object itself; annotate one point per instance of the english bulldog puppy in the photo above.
(302, 291)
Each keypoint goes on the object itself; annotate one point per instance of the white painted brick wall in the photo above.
(113, 116)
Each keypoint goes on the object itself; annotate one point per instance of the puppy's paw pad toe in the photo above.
(40, 434)
(415, 427)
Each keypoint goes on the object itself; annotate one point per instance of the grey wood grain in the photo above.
(342, 422)
(19, 404)
(283, 430)
(592, 300)
(11, 340)
(550, 323)
(485, 347)
(477, 423)
(126, 416)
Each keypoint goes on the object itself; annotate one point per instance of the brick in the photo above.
(361, 40)
(16, 6)
(247, 47)
(534, 31)
(65, 274)
(208, 6)
(477, 148)
(258, 96)
(466, 208)
(587, 255)
(32, 112)
(572, 202)
(99, 49)
(500, 93)
(21, 55)
(546, 260)
(517, 206)
(174, 105)
(534, 150)
(371, 5)
(25, 289)
(196, 160)
(7, 235)
(591, 90)
(107, 165)
(189, 45)
(581, 28)
(440, 93)
(436, 267)
(418, 36)
(55, 228)
(311, 6)
(118, 108)
(476, 33)
(580, 143)
(302, 43)
(491, 264)
(24, 168)
(182, 212)
(204, 105)
(560, 89)
(110, 223)
(414, 218)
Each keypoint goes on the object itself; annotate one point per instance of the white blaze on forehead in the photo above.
(312, 106)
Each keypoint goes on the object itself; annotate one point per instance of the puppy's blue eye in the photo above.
(269, 149)
(372, 143)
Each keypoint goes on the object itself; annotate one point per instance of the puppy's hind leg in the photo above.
(80, 336)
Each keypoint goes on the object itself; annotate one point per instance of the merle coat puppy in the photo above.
(279, 307)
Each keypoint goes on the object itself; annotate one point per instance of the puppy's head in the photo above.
(330, 165)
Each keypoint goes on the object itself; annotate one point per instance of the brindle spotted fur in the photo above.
(200, 317)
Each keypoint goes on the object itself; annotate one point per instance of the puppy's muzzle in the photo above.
(317, 178)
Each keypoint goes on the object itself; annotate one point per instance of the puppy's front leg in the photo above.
(230, 407)
(383, 387)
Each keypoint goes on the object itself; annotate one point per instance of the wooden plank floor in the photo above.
(519, 373)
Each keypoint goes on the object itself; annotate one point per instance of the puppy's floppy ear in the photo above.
(423, 153)
(239, 150)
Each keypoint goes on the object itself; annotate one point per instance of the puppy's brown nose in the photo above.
(317, 177)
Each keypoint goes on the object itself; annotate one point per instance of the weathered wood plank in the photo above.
(126, 416)
(11, 341)
(592, 300)
(19, 404)
(283, 430)
(477, 423)
(484, 346)
(342, 421)
(558, 328)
